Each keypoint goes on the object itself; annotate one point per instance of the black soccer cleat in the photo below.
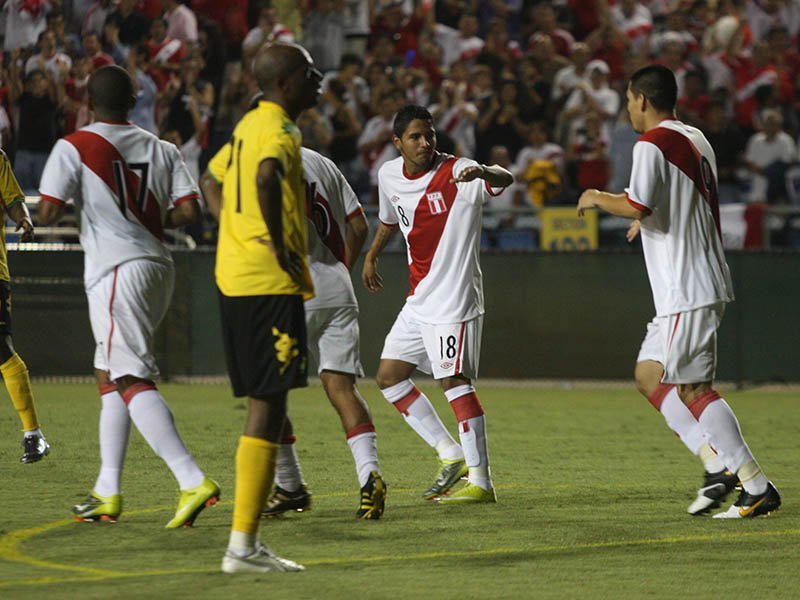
(752, 505)
(373, 497)
(281, 501)
(35, 448)
(716, 487)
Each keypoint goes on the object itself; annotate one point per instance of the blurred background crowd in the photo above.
(538, 87)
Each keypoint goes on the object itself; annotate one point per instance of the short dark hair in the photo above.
(111, 88)
(407, 114)
(657, 84)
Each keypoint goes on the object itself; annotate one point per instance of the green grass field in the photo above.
(592, 490)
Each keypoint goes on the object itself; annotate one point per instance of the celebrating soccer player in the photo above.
(436, 200)
(673, 200)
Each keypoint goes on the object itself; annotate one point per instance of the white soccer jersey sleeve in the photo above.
(61, 176)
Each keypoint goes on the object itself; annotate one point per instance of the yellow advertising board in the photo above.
(563, 230)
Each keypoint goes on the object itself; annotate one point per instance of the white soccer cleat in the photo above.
(716, 487)
(262, 560)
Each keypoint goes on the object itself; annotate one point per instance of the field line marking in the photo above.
(10, 551)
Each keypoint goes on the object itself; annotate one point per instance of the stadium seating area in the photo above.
(538, 87)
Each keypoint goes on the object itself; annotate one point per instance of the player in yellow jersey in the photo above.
(12, 367)
(263, 278)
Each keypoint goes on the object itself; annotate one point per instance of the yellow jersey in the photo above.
(245, 263)
(11, 194)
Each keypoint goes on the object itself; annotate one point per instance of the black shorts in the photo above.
(265, 343)
(5, 308)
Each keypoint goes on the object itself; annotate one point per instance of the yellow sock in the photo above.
(18, 384)
(255, 470)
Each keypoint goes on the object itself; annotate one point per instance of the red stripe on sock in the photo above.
(106, 388)
(698, 405)
(137, 388)
(657, 397)
(406, 401)
(289, 439)
(359, 429)
(467, 407)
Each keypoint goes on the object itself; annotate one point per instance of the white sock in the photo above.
(32, 433)
(154, 420)
(472, 432)
(682, 421)
(287, 467)
(421, 416)
(115, 427)
(722, 429)
(242, 544)
(363, 442)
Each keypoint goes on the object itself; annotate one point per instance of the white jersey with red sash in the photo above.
(331, 203)
(441, 222)
(123, 180)
(674, 180)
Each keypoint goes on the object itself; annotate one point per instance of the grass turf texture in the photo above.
(592, 491)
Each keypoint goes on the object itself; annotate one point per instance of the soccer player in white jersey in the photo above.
(436, 201)
(334, 244)
(128, 186)
(673, 200)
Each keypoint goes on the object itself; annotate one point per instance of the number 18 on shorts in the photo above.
(444, 350)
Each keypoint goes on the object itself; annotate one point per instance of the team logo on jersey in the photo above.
(285, 349)
(436, 203)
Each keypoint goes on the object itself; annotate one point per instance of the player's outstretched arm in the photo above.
(369, 274)
(20, 215)
(615, 204)
(496, 176)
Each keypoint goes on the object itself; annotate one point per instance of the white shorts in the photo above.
(125, 308)
(333, 339)
(685, 344)
(444, 350)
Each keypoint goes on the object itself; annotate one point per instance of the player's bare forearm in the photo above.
(184, 213)
(270, 201)
(20, 215)
(355, 235)
(495, 175)
(48, 212)
(614, 204)
(212, 192)
(369, 274)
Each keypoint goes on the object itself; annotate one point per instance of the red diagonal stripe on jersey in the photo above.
(98, 154)
(679, 150)
(423, 239)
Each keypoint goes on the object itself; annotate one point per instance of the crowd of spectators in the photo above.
(535, 85)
